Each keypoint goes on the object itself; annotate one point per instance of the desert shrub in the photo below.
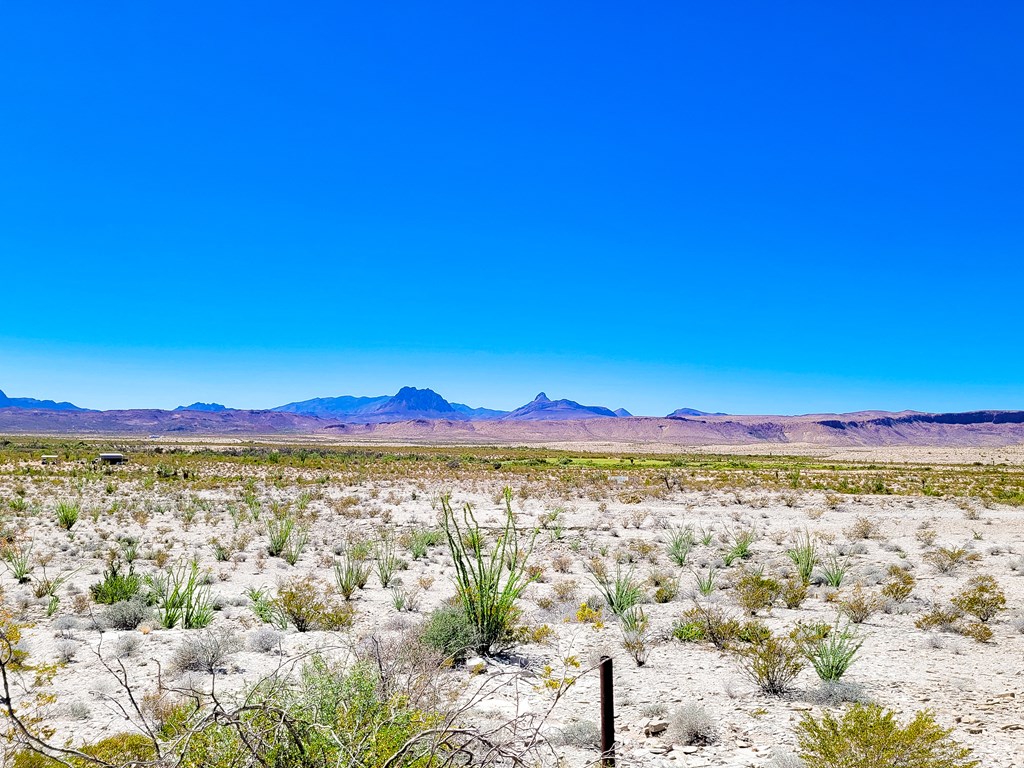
(127, 645)
(666, 587)
(583, 734)
(264, 640)
(982, 598)
(488, 583)
(831, 654)
(794, 592)
(206, 652)
(116, 586)
(862, 528)
(860, 604)
(868, 737)
(835, 693)
(127, 614)
(182, 597)
(692, 725)
(898, 584)
(771, 663)
(450, 631)
(950, 559)
(67, 514)
(938, 617)
(708, 623)
(975, 630)
(754, 591)
(306, 604)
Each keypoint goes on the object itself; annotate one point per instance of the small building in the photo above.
(50, 458)
(111, 458)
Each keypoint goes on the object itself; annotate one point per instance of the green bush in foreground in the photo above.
(327, 717)
(449, 631)
(870, 737)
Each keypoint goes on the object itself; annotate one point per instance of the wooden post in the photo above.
(607, 713)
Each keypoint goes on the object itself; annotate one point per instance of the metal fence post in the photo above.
(607, 713)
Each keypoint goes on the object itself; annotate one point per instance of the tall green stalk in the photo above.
(489, 580)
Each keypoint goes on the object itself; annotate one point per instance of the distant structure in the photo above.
(50, 458)
(111, 458)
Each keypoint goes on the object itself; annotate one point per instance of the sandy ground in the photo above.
(975, 688)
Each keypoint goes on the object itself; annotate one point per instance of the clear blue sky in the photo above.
(749, 207)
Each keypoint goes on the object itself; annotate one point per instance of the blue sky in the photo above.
(787, 207)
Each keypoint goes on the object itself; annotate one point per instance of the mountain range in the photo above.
(423, 416)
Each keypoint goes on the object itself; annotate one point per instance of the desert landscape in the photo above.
(738, 595)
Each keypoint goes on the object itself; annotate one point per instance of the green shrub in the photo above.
(120, 749)
(982, 597)
(949, 559)
(279, 530)
(870, 737)
(680, 544)
(449, 631)
(899, 584)
(754, 591)
(304, 601)
(116, 586)
(772, 663)
(351, 572)
(488, 583)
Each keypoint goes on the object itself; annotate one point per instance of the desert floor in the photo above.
(610, 513)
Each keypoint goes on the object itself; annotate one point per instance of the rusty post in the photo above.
(607, 713)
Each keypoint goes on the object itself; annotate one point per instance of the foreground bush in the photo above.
(449, 631)
(324, 717)
(869, 737)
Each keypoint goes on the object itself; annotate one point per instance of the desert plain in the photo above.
(691, 536)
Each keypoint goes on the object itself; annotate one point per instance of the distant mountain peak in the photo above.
(680, 412)
(543, 409)
(622, 413)
(32, 403)
(208, 407)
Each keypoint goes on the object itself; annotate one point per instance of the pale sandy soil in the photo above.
(975, 688)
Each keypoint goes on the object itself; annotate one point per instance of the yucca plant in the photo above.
(19, 560)
(620, 593)
(279, 529)
(296, 544)
(489, 580)
(832, 652)
(351, 572)
(834, 571)
(385, 560)
(182, 597)
(679, 545)
(707, 582)
(67, 514)
(804, 555)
